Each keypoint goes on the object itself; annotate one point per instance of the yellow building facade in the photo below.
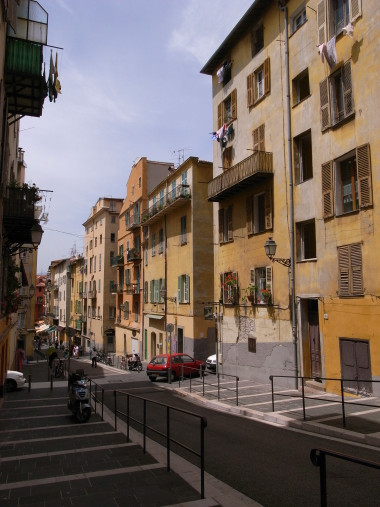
(295, 161)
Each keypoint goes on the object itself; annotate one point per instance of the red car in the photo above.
(180, 363)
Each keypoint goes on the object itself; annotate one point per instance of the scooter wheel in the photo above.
(83, 416)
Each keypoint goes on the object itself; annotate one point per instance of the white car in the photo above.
(211, 362)
(14, 380)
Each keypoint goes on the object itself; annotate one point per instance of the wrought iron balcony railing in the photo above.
(174, 198)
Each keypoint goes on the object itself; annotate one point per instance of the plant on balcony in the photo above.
(250, 293)
(32, 190)
(266, 296)
(12, 298)
(229, 288)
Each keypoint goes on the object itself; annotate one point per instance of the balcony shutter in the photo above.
(327, 189)
(268, 209)
(268, 279)
(321, 22)
(255, 135)
(266, 76)
(355, 9)
(356, 269)
(250, 88)
(179, 281)
(344, 270)
(348, 103)
(229, 224)
(221, 225)
(151, 295)
(363, 162)
(234, 104)
(187, 289)
(249, 208)
(325, 104)
(220, 115)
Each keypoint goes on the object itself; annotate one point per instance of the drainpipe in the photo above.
(291, 203)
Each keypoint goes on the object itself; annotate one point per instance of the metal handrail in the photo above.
(318, 379)
(318, 458)
(201, 375)
(94, 396)
(169, 439)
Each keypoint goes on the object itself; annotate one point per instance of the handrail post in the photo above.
(51, 382)
(237, 391)
(218, 386)
(115, 409)
(127, 417)
(343, 408)
(202, 458)
(29, 382)
(203, 383)
(168, 439)
(271, 381)
(303, 398)
(144, 427)
(322, 479)
(102, 404)
(96, 397)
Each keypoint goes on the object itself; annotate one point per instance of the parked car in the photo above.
(180, 363)
(211, 362)
(14, 380)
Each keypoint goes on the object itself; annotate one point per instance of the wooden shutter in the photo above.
(229, 224)
(250, 88)
(325, 104)
(355, 9)
(348, 103)
(262, 137)
(356, 262)
(344, 270)
(179, 279)
(234, 104)
(151, 292)
(252, 276)
(268, 279)
(255, 135)
(268, 208)
(266, 76)
(220, 115)
(249, 208)
(327, 190)
(363, 161)
(321, 22)
(187, 289)
(221, 225)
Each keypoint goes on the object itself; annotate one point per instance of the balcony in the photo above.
(117, 260)
(18, 213)
(134, 254)
(133, 288)
(248, 172)
(91, 294)
(133, 223)
(173, 199)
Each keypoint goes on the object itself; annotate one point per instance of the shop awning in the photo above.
(42, 329)
(51, 329)
(151, 316)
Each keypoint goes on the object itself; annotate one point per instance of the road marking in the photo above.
(33, 440)
(17, 430)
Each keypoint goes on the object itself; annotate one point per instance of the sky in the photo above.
(131, 87)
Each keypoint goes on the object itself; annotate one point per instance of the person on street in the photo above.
(93, 359)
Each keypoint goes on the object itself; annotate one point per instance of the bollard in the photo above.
(29, 383)
(51, 382)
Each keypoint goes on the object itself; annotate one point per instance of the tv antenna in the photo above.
(179, 156)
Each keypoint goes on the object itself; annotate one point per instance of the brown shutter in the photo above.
(250, 86)
(348, 103)
(321, 22)
(234, 104)
(220, 115)
(363, 161)
(356, 269)
(221, 225)
(255, 136)
(249, 208)
(344, 270)
(266, 76)
(268, 279)
(262, 137)
(355, 9)
(327, 190)
(325, 104)
(229, 224)
(268, 208)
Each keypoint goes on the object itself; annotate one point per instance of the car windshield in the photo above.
(159, 360)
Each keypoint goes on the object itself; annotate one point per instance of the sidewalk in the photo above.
(49, 459)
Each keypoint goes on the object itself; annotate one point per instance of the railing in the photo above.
(133, 288)
(133, 254)
(117, 260)
(258, 162)
(201, 379)
(133, 223)
(319, 380)
(91, 294)
(97, 395)
(169, 439)
(318, 458)
(173, 196)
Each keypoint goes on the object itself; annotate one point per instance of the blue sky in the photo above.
(131, 87)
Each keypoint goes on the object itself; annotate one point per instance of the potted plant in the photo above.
(267, 296)
(229, 287)
(250, 293)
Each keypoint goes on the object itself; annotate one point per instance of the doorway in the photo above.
(153, 345)
(180, 339)
(311, 342)
(355, 365)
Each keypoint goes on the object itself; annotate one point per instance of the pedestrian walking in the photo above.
(93, 359)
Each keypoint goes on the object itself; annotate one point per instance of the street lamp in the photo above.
(270, 249)
(36, 232)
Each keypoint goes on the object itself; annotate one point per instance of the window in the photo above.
(261, 278)
(303, 161)
(259, 212)
(146, 293)
(100, 239)
(298, 19)
(227, 110)
(112, 237)
(126, 310)
(334, 15)
(161, 285)
(225, 225)
(90, 244)
(258, 83)
(183, 231)
(229, 287)
(184, 289)
(113, 220)
(257, 39)
(99, 286)
(350, 270)
(139, 181)
(305, 240)
(347, 183)
(127, 277)
(95, 264)
(259, 138)
(111, 312)
(301, 87)
(224, 73)
(136, 311)
(227, 158)
(153, 244)
(112, 255)
(160, 241)
(336, 97)
(156, 291)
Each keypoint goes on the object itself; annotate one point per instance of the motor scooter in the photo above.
(134, 363)
(79, 397)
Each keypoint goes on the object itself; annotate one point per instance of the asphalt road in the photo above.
(267, 463)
